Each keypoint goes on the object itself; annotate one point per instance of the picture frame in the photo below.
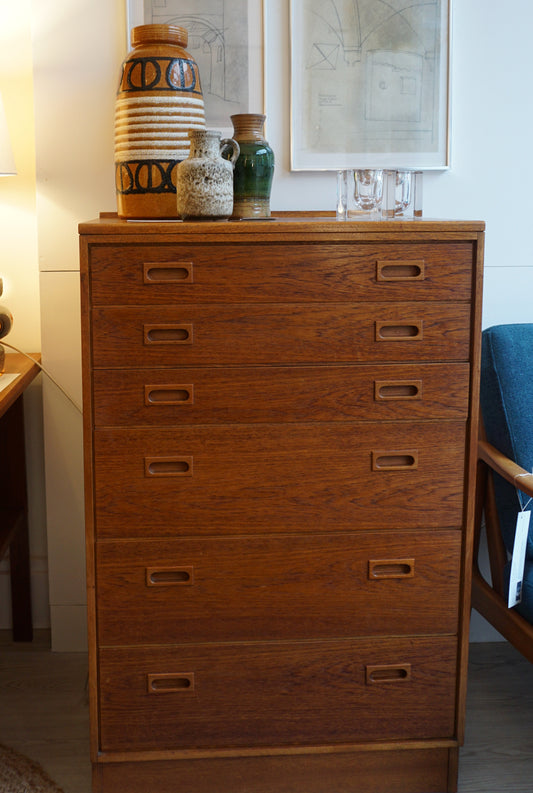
(226, 41)
(370, 84)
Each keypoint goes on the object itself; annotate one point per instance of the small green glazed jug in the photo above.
(254, 169)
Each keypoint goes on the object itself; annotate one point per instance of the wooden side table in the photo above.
(13, 491)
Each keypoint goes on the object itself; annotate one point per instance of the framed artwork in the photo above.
(370, 84)
(225, 40)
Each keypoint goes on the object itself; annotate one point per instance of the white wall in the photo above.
(19, 269)
(78, 46)
(77, 50)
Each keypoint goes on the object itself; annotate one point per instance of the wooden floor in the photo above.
(44, 713)
(498, 753)
(44, 710)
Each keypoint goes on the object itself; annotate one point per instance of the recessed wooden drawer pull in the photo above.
(397, 389)
(169, 394)
(400, 270)
(387, 673)
(395, 460)
(169, 576)
(396, 331)
(168, 466)
(168, 272)
(171, 683)
(391, 568)
(168, 334)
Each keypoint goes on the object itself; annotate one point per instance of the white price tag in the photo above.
(519, 558)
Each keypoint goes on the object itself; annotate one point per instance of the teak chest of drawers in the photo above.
(279, 424)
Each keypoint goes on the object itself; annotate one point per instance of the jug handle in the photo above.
(229, 143)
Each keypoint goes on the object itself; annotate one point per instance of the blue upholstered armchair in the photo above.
(505, 479)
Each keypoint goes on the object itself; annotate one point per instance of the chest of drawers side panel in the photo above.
(88, 461)
(470, 475)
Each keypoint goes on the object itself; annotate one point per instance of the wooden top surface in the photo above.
(27, 371)
(280, 224)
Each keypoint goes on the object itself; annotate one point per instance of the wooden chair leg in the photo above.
(508, 622)
(481, 489)
(491, 601)
(497, 551)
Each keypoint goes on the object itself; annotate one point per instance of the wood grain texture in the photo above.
(43, 713)
(248, 479)
(202, 395)
(394, 771)
(238, 589)
(278, 333)
(498, 752)
(26, 369)
(278, 272)
(43, 708)
(278, 424)
(277, 693)
(317, 224)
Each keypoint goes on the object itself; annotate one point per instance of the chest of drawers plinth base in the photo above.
(325, 770)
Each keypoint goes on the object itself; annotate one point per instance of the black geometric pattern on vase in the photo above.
(152, 129)
(158, 100)
(136, 177)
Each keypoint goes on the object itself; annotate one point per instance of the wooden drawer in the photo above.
(278, 693)
(201, 395)
(235, 589)
(279, 333)
(238, 478)
(158, 274)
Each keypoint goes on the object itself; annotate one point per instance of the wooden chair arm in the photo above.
(505, 467)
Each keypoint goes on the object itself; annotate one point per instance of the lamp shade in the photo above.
(7, 163)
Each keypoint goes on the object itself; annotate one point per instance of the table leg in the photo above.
(14, 505)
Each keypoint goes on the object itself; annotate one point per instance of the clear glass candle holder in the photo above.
(359, 193)
(402, 194)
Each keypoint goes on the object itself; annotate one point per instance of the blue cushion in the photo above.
(507, 409)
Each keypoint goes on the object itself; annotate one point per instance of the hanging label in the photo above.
(519, 558)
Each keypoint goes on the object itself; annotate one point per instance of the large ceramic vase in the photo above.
(254, 169)
(204, 181)
(159, 99)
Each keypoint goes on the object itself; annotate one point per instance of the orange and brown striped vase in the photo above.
(158, 100)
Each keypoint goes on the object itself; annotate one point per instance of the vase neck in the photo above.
(204, 143)
(159, 34)
(248, 126)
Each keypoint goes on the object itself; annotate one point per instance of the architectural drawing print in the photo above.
(369, 79)
(219, 33)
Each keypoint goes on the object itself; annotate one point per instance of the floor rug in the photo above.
(19, 774)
